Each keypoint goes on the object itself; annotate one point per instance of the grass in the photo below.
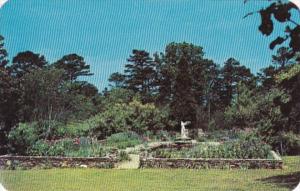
(153, 179)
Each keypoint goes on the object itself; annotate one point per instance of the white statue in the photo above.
(184, 131)
(2, 188)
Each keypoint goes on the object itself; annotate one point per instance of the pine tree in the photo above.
(232, 74)
(3, 53)
(74, 67)
(184, 105)
(140, 74)
(25, 62)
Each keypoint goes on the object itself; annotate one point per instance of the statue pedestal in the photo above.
(184, 140)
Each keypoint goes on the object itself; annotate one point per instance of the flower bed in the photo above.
(245, 153)
(204, 163)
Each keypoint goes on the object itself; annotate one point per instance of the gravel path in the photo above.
(134, 163)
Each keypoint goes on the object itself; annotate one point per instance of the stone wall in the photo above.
(148, 162)
(27, 162)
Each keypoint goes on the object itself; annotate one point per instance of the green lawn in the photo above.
(153, 179)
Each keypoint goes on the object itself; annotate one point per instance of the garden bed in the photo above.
(205, 163)
(28, 162)
(249, 154)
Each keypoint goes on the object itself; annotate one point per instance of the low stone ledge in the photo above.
(200, 163)
(27, 162)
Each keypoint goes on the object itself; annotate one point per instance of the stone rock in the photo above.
(83, 166)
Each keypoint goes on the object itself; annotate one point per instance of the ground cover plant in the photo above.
(123, 140)
(81, 147)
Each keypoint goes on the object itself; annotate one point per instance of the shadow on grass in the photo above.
(288, 180)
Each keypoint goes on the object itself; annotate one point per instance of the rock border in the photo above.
(207, 163)
(29, 162)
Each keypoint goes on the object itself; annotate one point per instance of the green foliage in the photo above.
(184, 105)
(243, 109)
(74, 129)
(290, 82)
(123, 156)
(39, 148)
(73, 66)
(288, 74)
(232, 75)
(123, 140)
(43, 95)
(288, 143)
(3, 53)
(140, 74)
(118, 95)
(247, 147)
(257, 111)
(133, 116)
(26, 62)
(281, 12)
(118, 79)
(9, 106)
(82, 147)
(219, 135)
(23, 136)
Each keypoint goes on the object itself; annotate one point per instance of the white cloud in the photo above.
(2, 2)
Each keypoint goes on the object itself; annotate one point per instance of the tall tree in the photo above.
(9, 106)
(281, 59)
(290, 81)
(232, 74)
(117, 79)
(74, 67)
(25, 62)
(184, 105)
(3, 53)
(267, 78)
(140, 74)
(169, 65)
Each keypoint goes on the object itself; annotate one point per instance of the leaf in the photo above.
(278, 40)
(266, 27)
(295, 39)
(281, 13)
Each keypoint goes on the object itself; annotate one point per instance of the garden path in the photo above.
(133, 163)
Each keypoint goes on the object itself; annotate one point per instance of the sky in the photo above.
(104, 32)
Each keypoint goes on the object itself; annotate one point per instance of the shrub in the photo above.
(22, 137)
(245, 148)
(123, 140)
(288, 143)
(123, 156)
(221, 135)
(82, 147)
(132, 116)
(40, 148)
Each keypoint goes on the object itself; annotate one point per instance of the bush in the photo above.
(22, 137)
(133, 116)
(221, 135)
(82, 147)
(123, 156)
(288, 143)
(248, 147)
(123, 140)
(40, 148)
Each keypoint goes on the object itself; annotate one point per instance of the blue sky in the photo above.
(105, 31)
